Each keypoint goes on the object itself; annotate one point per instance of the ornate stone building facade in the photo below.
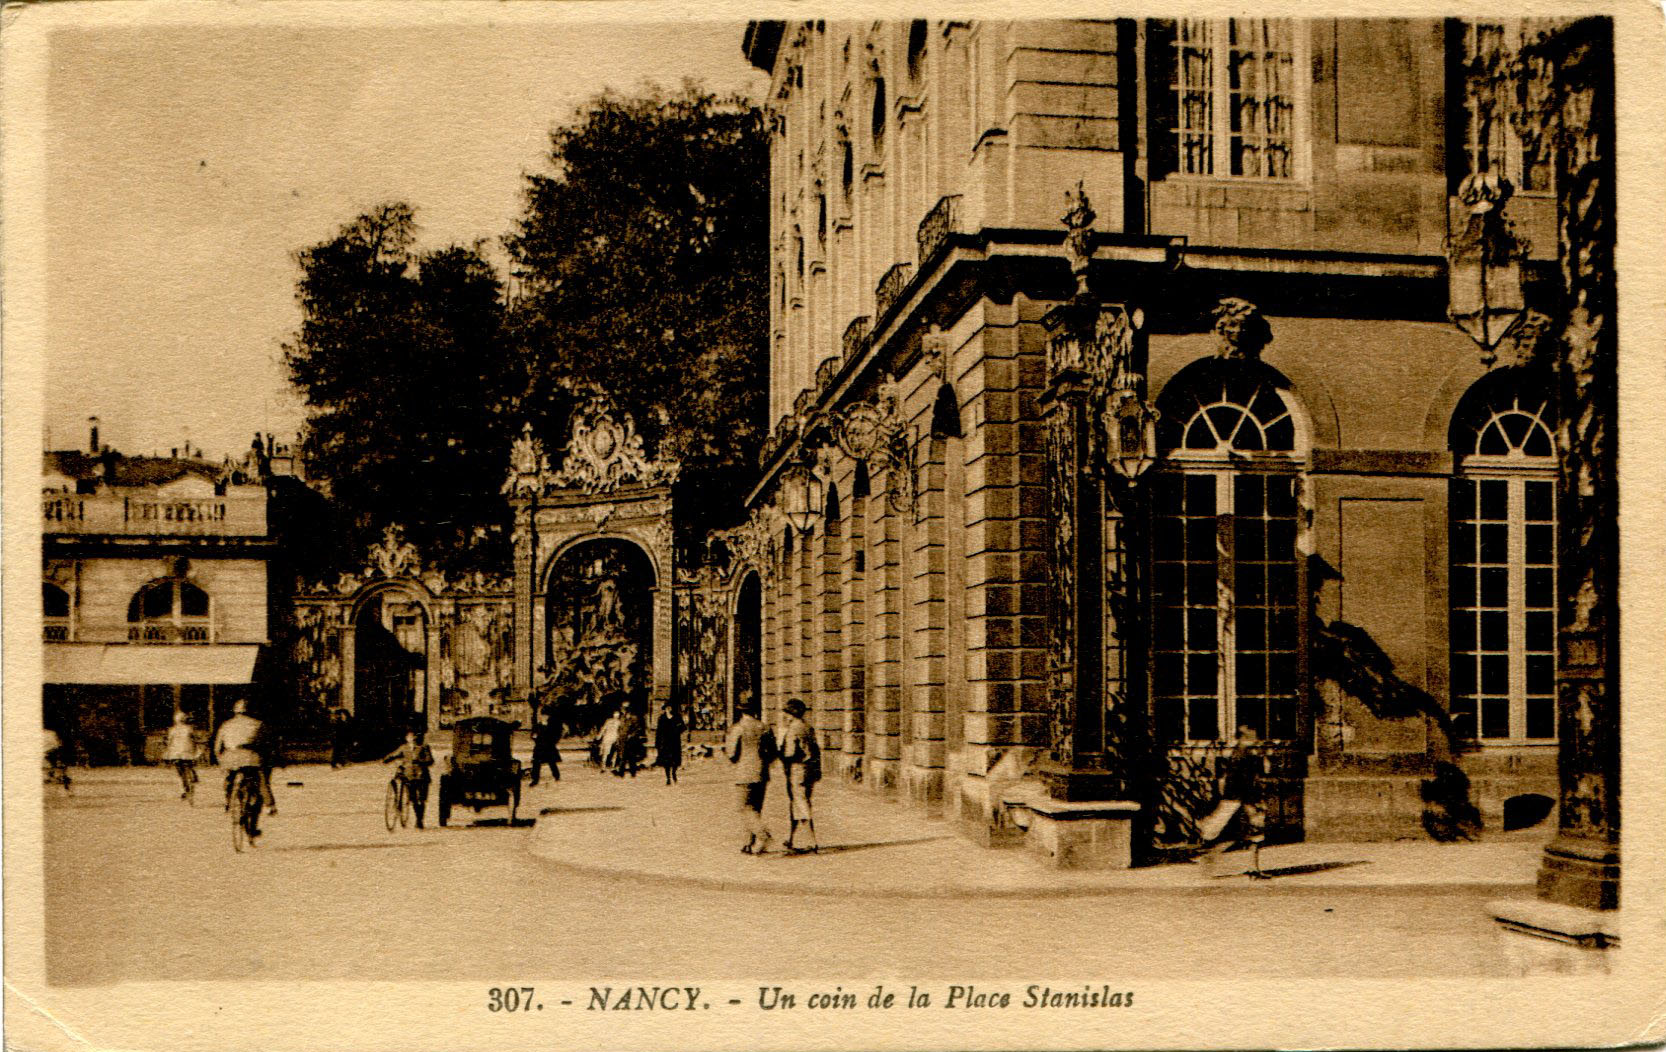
(1120, 413)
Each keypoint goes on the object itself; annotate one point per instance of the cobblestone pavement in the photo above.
(143, 887)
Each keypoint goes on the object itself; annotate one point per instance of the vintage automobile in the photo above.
(481, 772)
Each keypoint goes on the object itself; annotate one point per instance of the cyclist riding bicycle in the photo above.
(181, 751)
(415, 759)
(239, 745)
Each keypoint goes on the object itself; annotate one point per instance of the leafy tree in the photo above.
(642, 259)
(402, 360)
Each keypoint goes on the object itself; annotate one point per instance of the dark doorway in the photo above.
(748, 643)
(390, 668)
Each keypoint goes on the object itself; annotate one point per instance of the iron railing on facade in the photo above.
(890, 288)
(169, 633)
(935, 228)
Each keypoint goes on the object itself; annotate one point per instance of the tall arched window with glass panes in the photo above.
(1226, 575)
(1502, 541)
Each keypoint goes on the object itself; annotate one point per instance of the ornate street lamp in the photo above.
(1484, 272)
(1130, 426)
(798, 493)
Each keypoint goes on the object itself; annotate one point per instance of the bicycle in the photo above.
(397, 805)
(245, 807)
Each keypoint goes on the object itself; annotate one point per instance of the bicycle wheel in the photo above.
(239, 816)
(392, 803)
(407, 806)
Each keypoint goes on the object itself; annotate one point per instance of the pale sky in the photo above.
(187, 164)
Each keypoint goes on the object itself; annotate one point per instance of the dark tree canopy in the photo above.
(402, 362)
(643, 262)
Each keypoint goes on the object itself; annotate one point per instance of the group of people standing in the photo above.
(754, 749)
(622, 745)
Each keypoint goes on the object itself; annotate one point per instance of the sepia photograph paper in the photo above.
(755, 526)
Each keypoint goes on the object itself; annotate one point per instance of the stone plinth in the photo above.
(1089, 834)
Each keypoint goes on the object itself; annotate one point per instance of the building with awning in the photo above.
(155, 594)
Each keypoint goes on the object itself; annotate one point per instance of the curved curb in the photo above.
(776, 887)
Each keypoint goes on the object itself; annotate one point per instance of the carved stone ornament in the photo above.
(1243, 332)
(1078, 238)
(1529, 342)
(605, 453)
(751, 545)
(394, 556)
(529, 466)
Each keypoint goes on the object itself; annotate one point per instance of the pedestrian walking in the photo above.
(632, 742)
(341, 738)
(668, 743)
(546, 741)
(180, 750)
(751, 748)
(609, 745)
(415, 759)
(801, 761)
(1240, 817)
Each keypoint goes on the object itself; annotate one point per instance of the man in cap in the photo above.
(801, 759)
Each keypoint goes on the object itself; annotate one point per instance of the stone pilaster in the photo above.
(830, 694)
(927, 629)
(884, 730)
(1581, 865)
(1074, 768)
(853, 586)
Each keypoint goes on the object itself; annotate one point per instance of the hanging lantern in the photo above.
(1484, 274)
(799, 491)
(1130, 426)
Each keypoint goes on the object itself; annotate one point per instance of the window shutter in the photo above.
(1162, 104)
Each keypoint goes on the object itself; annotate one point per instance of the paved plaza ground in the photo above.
(606, 878)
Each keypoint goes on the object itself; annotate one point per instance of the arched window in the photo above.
(168, 611)
(1226, 577)
(847, 166)
(1502, 542)
(55, 610)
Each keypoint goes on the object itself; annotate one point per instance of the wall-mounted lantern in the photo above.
(1484, 264)
(1130, 425)
(799, 493)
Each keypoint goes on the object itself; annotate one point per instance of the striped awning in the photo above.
(130, 664)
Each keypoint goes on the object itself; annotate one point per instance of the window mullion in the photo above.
(1220, 117)
(1518, 609)
(1227, 592)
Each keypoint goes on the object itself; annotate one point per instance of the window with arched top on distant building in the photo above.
(1502, 544)
(169, 611)
(55, 611)
(1226, 578)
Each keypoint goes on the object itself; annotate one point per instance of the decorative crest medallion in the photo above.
(605, 453)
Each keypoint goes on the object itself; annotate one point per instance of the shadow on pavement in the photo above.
(834, 849)
(348, 847)
(577, 810)
(494, 823)
(1295, 871)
